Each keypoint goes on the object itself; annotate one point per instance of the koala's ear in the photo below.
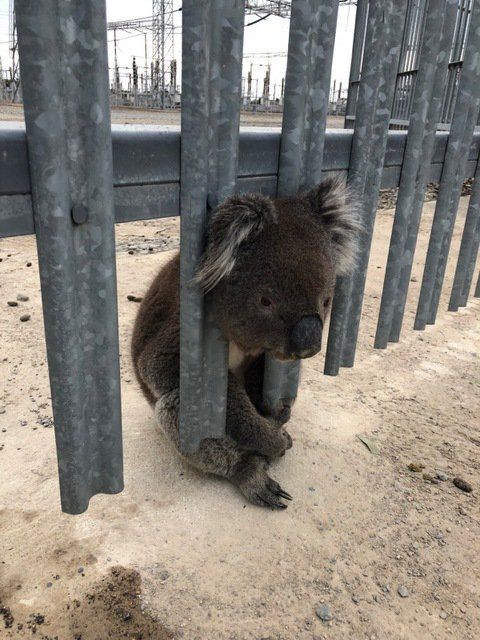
(237, 220)
(331, 203)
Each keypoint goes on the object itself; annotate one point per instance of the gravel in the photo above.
(323, 612)
(403, 592)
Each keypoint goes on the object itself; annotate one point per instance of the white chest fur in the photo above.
(238, 360)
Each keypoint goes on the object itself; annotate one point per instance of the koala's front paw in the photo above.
(282, 415)
(276, 444)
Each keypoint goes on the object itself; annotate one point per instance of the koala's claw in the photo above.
(261, 490)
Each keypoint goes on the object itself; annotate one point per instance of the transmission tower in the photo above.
(13, 46)
(162, 54)
(280, 8)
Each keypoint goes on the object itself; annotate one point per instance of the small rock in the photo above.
(131, 252)
(12, 303)
(25, 318)
(462, 511)
(29, 264)
(49, 584)
(413, 279)
(403, 591)
(2, 409)
(134, 298)
(416, 468)
(442, 476)
(428, 478)
(443, 615)
(164, 575)
(22, 298)
(323, 612)
(80, 570)
(462, 484)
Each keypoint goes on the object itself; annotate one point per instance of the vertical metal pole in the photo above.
(470, 267)
(468, 249)
(477, 288)
(63, 51)
(461, 131)
(434, 115)
(418, 153)
(211, 87)
(356, 62)
(382, 48)
(307, 87)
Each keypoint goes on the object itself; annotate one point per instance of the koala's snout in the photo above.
(306, 336)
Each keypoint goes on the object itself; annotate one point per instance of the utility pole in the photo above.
(162, 41)
(116, 83)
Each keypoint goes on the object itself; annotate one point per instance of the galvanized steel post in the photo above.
(356, 61)
(211, 88)
(380, 61)
(468, 249)
(307, 87)
(63, 58)
(426, 103)
(461, 131)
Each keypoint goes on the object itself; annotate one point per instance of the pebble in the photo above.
(22, 298)
(134, 298)
(25, 317)
(462, 484)
(416, 468)
(2, 409)
(442, 476)
(29, 264)
(443, 615)
(403, 591)
(323, 612)
(164, 575)
(462, 511)
(12, 303)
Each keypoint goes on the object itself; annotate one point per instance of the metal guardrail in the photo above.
(146, 169)
(70, 189)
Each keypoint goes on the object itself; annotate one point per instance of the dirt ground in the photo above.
(130, 115)
(380, 551)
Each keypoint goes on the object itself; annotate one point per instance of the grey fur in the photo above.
(236, 220)
(268, 265)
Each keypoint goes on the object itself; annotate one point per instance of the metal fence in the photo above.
(60, 180)
(410, 61)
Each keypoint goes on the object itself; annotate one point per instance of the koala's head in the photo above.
(269, 267)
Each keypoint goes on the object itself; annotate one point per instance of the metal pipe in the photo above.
(356, 61)
(63, 56)
(477, 288)
(440, 19)
(384, 24)
(461, 131)
(211, 88)
(307, 88)
(468, 249)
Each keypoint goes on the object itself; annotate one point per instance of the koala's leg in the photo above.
(224, 458)
(254, 388)
(248, 434)
(252, 431)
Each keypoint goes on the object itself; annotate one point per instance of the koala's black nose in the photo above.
(306, 336)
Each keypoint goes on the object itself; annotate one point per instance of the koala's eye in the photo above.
(266, 302)
(326, 303)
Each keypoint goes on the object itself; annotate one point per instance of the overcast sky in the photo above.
(269, 36)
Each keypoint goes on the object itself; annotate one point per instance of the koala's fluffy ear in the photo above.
(331, 203)
(236, 220)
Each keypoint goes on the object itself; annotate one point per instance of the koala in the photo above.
(269, 269)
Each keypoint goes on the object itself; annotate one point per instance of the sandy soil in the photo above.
(180, 555)
(130, 115)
